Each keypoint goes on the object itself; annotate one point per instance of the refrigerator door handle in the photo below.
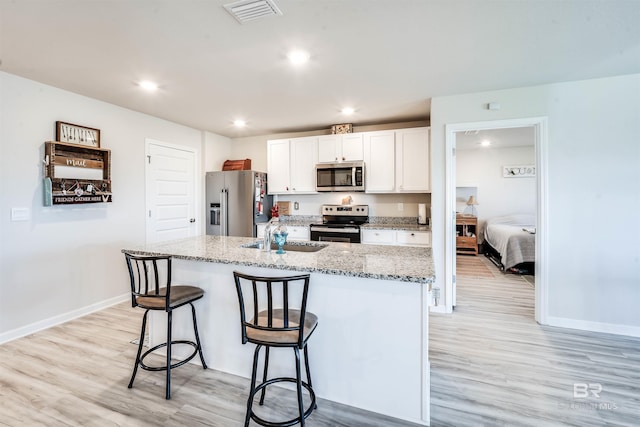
(224, 226)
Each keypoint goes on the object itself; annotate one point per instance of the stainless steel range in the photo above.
(340, 223)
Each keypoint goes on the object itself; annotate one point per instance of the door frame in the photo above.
(197, 190)
(541, 151)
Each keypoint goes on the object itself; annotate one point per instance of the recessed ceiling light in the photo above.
(485, 143)
(298, 57)
(239, 123)
(148, 85)
(347, 111)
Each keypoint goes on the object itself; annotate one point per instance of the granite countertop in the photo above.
(401, 263)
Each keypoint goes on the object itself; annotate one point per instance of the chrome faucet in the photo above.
(266, 245)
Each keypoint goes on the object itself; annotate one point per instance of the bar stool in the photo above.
(151, 289)
(277, 327)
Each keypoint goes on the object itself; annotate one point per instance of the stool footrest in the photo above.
(173, 365)
(292, 421)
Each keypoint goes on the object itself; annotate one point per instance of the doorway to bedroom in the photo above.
(495, 195)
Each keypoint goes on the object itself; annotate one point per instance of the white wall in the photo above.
(66, 260)
(217, 149)
(496, 194)
(593, 191)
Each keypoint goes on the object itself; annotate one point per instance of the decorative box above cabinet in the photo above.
(76, 174)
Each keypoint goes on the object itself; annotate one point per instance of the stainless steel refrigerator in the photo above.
(236, 202)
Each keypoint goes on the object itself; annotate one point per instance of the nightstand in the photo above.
(466, 235)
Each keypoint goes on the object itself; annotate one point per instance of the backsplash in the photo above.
(395, 220)
(380, 205)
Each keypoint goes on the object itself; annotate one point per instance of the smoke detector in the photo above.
(248, 10)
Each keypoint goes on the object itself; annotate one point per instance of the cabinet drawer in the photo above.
(465, 241)
(298, 233)
(418, 238)
(378, 237)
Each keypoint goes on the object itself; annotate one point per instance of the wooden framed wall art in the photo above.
(76, 134)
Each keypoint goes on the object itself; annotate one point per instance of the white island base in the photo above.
(370, 349)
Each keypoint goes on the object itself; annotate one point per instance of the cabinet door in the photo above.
(304, 156)
(260, 228)
(413, 238)
(379, 161)
(412, 161)
(278, 156)
(352, 149)
(298, 232)
(328, 148)
(377, 237)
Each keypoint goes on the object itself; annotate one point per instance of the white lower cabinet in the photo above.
(378, 237)
(297, 232)
(413, 238)
(396, 237)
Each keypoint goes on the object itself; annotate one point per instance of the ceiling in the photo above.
(385, 58)
(498, 138)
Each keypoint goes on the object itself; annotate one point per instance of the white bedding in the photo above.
(507, 235)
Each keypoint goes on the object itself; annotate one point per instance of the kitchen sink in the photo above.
(290, 246)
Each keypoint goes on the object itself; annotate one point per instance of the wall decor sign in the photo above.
(519, 171)
(76, 134)
(76, 173)
(344, 128)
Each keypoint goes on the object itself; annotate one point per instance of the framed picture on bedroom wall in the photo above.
(519, 171)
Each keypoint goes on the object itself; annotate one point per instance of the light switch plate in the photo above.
(19, 214)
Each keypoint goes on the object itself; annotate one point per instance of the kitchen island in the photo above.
(371, 346)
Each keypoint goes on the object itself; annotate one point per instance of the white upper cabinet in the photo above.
(291, 165)
(304, 156)
(395, 161)
(328, 148)
(278, 160)
(379, 161)
(412, 160)
(347, 147)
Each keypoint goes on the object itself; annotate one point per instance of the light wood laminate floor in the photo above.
(76, 374)
(493, 365)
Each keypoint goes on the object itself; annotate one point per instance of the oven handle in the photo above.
(349, 230)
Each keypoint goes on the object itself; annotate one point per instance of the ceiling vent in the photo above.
(248, 10)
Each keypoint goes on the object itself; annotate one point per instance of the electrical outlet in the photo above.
(400, 207)
(296, 206)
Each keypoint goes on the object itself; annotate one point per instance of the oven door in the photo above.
(323, 233)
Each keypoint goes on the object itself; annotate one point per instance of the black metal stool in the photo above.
(277, 327)
(151, 289)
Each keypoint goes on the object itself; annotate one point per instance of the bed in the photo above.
(512, 240)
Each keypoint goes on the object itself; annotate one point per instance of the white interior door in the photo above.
(170, 192)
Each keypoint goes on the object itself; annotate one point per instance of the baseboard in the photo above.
(585, 325)
(62, 318)
(440, 308)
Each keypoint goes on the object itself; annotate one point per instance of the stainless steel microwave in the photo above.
(348, 176)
